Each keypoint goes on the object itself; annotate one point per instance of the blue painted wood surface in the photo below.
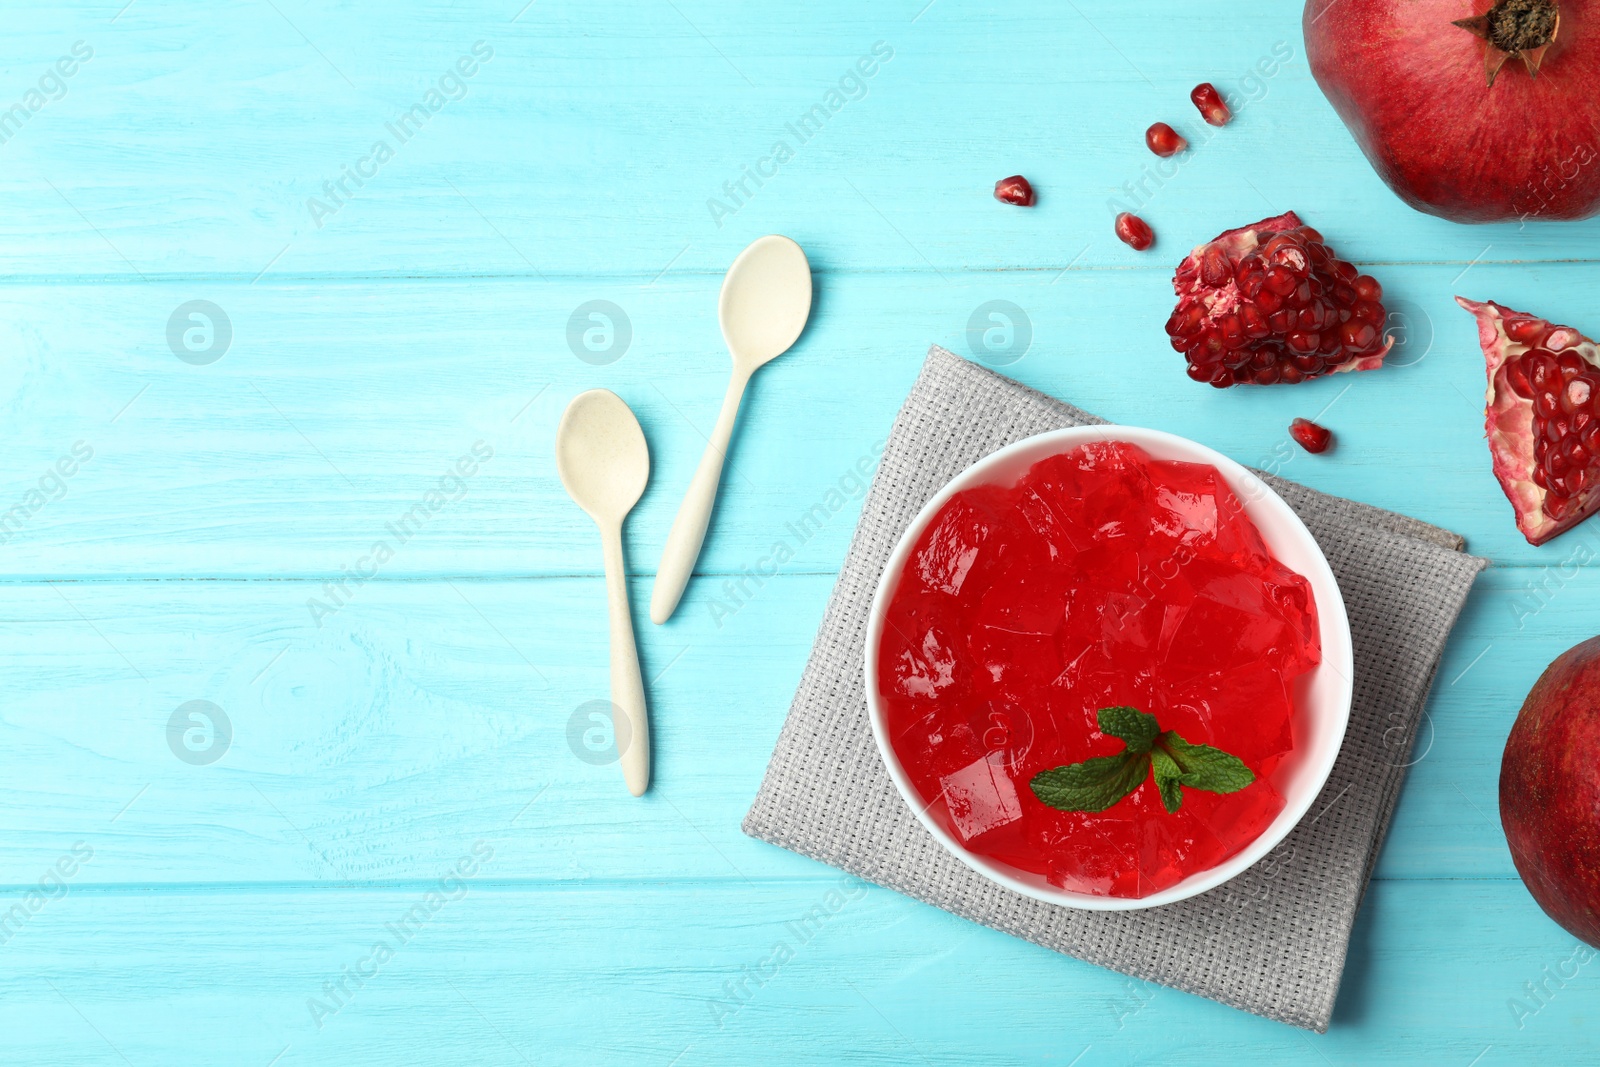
(417, 724)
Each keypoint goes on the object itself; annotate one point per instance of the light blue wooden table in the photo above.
(196, 492)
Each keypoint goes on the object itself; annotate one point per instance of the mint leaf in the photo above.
(1205, 767)
(1169, 778)
(1131, 725)
(1093, 785)
(1096, 784)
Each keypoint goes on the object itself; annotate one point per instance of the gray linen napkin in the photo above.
(1271, 941)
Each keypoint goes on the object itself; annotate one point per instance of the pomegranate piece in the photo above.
(1014, 190)
(1134, 232)
(1103, 577)
(1271, 303)
(1164, 141)
(1543, 410)
(1209, 101)
(1309, 436)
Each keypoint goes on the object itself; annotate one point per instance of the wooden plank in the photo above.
(421, 714)
(648, 973)
(336, 409)
(596, 143)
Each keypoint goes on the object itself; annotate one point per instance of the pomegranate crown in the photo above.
(1524, 29)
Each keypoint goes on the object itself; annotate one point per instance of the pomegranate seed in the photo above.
(1562, 337)
(1134, 232)
(1524, 331)
(1517, 378)
(1164, 140)
(1014, 190)
(1309, 436)
(1367, 288)
(1209, 101)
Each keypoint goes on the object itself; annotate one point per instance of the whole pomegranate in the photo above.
(1550, 791)
(1474, 110)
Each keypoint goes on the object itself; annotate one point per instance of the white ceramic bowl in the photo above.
(1322, 696)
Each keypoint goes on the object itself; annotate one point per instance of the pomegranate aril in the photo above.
(1014, 190)
(1525, 331)
(1309, 436)
(1216, 270)
(1134, 232)
(1291, 258)
(1358, 335)
(1209, 101)
(1281, 281)
(1164, 141)
(1577, 394)
(1517, 378)
(1367, 311)
(1302, 342)
(1254, 322)
(1367, 288)
(1545, 405)
(1562, 337)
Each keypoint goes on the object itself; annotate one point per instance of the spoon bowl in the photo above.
(765, 301)
(604, 464)
(601, 455)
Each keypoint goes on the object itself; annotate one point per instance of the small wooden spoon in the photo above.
(604, 464)
(765, 301)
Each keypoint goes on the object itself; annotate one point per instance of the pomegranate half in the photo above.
(1473, 110)
(1543, 408)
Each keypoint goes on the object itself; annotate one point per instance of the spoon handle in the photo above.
(694, 515)
(630, 724)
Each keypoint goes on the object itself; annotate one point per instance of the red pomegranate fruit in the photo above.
(1550, 791)
(1543, 409)
(1269, 303)
(1474, 110)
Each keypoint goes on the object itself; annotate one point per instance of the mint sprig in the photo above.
(1096, 784)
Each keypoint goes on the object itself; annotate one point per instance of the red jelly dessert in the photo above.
(1102, 578)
